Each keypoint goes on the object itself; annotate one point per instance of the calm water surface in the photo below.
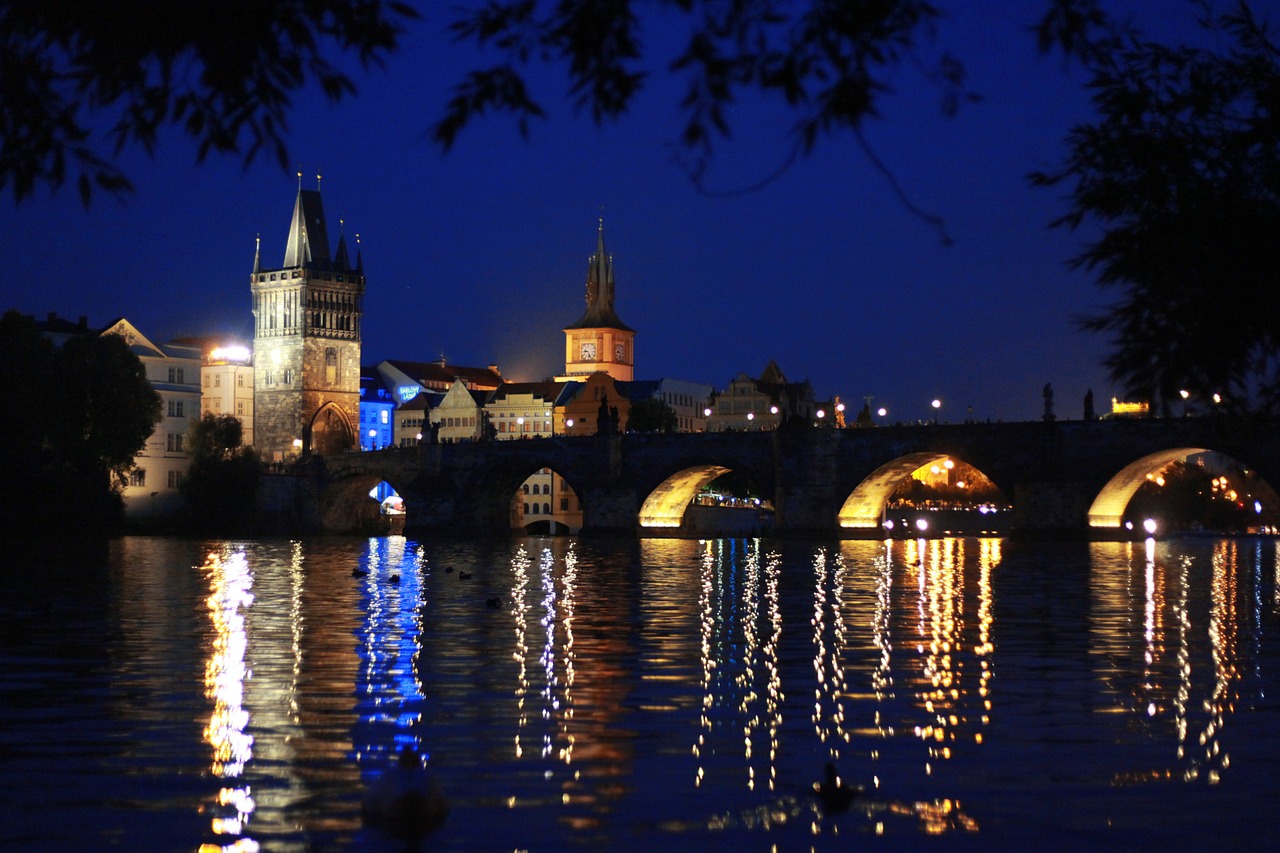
(659, 694)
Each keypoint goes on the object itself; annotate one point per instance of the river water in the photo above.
(640, 695)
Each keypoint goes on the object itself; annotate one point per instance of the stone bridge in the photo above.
(1065, 477)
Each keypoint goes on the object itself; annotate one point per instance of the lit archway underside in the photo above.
(666, 504)
(865, 507)
(1108, 507)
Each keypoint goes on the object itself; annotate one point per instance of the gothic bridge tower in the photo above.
(599, 341)
(306, 342)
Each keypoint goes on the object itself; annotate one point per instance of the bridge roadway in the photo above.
(1071, 477)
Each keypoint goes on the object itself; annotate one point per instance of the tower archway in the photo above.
(330, 431)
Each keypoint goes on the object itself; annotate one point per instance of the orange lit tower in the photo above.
(599, 341)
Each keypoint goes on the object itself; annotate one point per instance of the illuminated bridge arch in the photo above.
(1107, 509)
(665, 506)
(864, 508)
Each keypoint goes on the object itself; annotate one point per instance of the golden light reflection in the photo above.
(1161, 693)
(828, 645)
(230, 596)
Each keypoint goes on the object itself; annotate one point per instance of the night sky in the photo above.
(480, 254)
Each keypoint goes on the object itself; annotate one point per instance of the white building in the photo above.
(227, 385)
(174, 372)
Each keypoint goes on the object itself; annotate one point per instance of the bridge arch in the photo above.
(345, 504)
(329, 431)
(665, 506)
(864, 508)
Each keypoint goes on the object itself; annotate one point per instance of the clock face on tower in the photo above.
(620, 353)
(589, 351)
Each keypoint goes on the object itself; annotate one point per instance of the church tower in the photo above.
(599, 341)
(306, 341)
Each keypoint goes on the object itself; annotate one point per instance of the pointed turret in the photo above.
(308, 244)
(340, 260)
(600, 291)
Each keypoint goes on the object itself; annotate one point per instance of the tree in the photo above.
(651, 415)
(215, 436)
(70, 445)
(222, 483)
(1181, 175)
(226, 79)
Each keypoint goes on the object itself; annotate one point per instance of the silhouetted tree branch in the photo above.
(1181, 174)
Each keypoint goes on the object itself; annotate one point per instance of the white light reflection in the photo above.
(831, 688)
(556, 657)
(740, 624)
(520, 573)
(230, 582)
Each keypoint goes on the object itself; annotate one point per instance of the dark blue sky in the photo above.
(480, 254)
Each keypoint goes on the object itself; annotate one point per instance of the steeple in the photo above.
(340, 256)
(257, 253)
(308, 244)
(600, 291)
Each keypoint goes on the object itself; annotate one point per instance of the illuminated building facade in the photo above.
(307, 315)
(377, 410)
(174, 372)
(226, 379)
(599, 341)
(763, 403)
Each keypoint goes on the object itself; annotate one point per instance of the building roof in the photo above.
(439, 373)
(547, 389)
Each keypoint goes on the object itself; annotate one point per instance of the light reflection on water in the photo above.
(661, 692)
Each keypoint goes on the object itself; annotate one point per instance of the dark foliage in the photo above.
(221, 485)
(1180, 174)
(651, 415)
(225, 74)
(69, 444)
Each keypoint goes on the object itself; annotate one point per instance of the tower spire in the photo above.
(257, 253)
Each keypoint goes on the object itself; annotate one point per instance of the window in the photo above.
(240, 408)
(239, 380)
(533, 509)
(138, 477)
(384, 415)
(564, 504)
(175, 479)
(288, 376)
(526, 509)
(546, 509)
(525, 487)
(176, 375)
(176, 409)
(217, 380)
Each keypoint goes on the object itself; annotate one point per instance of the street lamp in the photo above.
(937, 404)
(1185, 395)
(883, 413)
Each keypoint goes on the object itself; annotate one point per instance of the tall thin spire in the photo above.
(257, 253)
(340, 260)
(600, 312)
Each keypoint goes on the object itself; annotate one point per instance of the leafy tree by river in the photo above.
(222, 481)
(74, 418)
